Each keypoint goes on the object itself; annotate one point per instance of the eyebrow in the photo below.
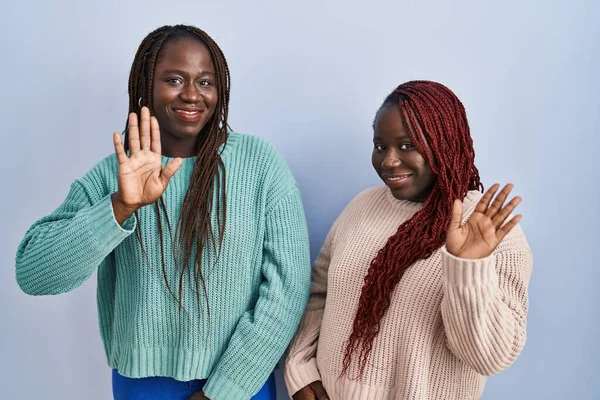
(401, 137)
(179, 72)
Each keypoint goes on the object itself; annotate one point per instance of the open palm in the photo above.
(485, 228)
(142, 179)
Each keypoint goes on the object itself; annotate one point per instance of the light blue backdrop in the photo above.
(308, 76)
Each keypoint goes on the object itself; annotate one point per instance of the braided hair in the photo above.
(195, 226)
(437, 123)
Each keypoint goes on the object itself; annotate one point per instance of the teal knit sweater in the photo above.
(257, 288)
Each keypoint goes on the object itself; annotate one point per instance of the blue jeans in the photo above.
(163, 388)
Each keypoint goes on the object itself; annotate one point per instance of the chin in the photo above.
(402, 195)
(399, 195)
(188, 132)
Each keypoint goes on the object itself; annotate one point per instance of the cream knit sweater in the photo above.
(451, 321)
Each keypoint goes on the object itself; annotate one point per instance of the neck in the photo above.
(175, 147)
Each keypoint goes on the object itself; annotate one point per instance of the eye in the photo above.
(173, 81)
(379, 147)
(204, 82)
(407, 146)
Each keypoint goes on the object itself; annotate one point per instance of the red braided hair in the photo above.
(437, 122)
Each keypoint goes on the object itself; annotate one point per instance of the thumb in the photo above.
(457, 214)
(170, 169)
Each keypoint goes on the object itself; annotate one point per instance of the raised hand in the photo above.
(485, 228)
(313, 391)
(142, 179)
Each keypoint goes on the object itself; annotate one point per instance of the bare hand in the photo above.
(142, 179)
(485, 228)
(198, 396)
(314, 391)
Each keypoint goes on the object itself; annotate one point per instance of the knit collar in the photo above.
(225, 149)
(470, 199)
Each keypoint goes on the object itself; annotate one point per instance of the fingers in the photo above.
(484, 203)
(501, 216)
(508, 227)
(155, 145)
(170, 169)
(119, 149)
(499, 201)
(134, 134)
(145, 129)
(457, 215)
(319, 390)
(306, 393)
(497, 211)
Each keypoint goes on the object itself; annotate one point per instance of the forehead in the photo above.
(389, 121)
(185, 53)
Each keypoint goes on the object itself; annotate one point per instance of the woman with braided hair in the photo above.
(420, 289)
(197, 234)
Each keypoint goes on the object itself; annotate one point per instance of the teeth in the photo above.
(187, 112)
(397, 178)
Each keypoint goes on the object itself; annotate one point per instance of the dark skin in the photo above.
(314, 391)
(396, 159)
(185, 99)
(184, 95)
(198, 396)
(406, 172)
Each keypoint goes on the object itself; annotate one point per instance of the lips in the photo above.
(397, 179)
(188, 114)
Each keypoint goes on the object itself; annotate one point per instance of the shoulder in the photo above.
(371, 196)
(107, 168)
(102, 176)
(366, 199)
(256, 155)
(373, 193)
(254, 148)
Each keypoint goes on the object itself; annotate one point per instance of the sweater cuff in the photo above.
(467, 272)
(299, 376)
(220, 387)
(103, 226)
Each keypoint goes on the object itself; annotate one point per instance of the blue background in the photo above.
(309, 76)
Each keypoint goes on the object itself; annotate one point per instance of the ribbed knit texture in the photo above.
(450, 323)
(257, 288)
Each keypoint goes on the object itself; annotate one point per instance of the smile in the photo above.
(397, 178)
(188, 115)
(187, 112)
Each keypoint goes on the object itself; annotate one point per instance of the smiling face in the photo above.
(396, 159)
(184, 94)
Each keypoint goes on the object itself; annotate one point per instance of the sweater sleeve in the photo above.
(485, 303)
(301, 363)
(62, 250)
(263, 333)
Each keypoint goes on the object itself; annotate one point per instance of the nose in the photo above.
(391, 160)
(190, 94)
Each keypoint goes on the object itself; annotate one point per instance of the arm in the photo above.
(301, 364)
(485, 303)
(263, 333)
(486, 266)
(61, 251)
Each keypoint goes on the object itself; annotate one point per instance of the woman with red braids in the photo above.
(420, 290)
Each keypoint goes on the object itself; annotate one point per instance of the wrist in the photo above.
(121, 210)
(470, 255)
